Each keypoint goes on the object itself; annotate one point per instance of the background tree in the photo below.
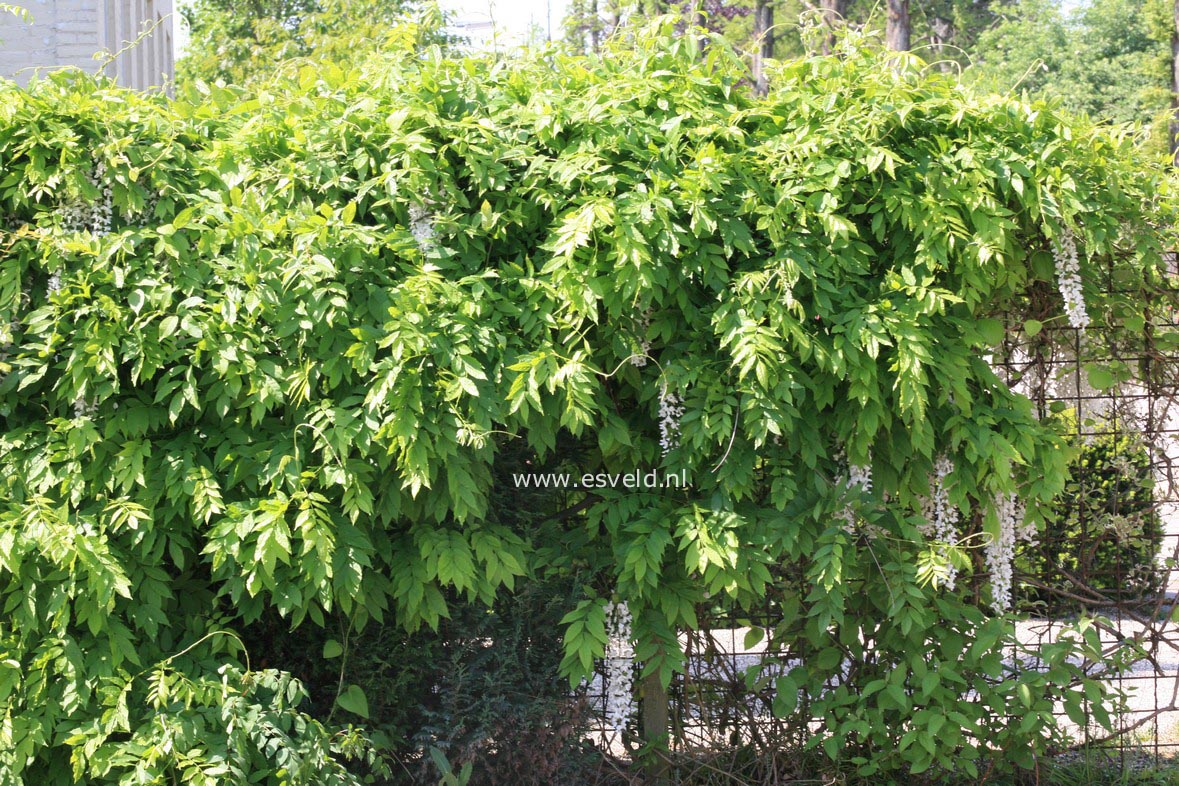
(898, 31)
(1110, 59)
(1175, 82)
(763, 41)
(238, 42)
(834, 16)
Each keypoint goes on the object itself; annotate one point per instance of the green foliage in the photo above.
(1104, 530)
(242, 41)
(484, 689)
(334, 313)
(1110, 59)
(449, 778)
(944, 32)
(19, 12)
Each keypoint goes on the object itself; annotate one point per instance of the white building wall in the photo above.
(68, 33)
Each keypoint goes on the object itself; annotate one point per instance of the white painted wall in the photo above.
(68, 33)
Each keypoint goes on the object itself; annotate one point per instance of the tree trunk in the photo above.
(1175, 86)
(654, 716)
(898, 30)
(834, 12)
(941, 31)
(763, 37)
(595, 27)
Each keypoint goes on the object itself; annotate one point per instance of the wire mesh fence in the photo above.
(1110, 553)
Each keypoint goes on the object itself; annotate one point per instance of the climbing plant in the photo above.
(273, 352)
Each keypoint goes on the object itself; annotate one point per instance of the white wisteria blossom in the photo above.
(940, 514)
(147, 213)
(670, 411)
(95, 217)
(1068, 279)
(643, 323)
(1000, 551)
(421, 226)
(6, 339)
(858, 477)
(619, 662)
(102, 209)
(75, 217)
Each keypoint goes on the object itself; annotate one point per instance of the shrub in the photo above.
(1104, 532)
(269, 352)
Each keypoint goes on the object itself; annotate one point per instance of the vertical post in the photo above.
(655, 722)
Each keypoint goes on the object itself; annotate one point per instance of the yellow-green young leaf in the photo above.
(1100, 378)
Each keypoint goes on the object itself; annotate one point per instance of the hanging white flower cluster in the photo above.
(857, 478)
(84, 408)
(670, 411)
(93, 218)
(942, 516)
(619, 661)
(639, 359)
(421, 226)
(1000, 551)
(6, 337)
(102, 210)
(1068, 279)
(147, 213)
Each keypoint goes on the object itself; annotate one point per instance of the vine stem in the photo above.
(345, 632)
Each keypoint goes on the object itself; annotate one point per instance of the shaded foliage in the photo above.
(1104, 533)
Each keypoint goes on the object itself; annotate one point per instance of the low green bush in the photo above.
(1103, 535)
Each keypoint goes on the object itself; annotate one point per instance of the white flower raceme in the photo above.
(619, 661)
(639, 359)
(421, 226)
(940, 514)
(1000, 551)
(858, 477)
(147, 213)
(75, 217)
(670, 411)
(6, 338)
(102, 211)
(1068, 280)
(95, 218)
